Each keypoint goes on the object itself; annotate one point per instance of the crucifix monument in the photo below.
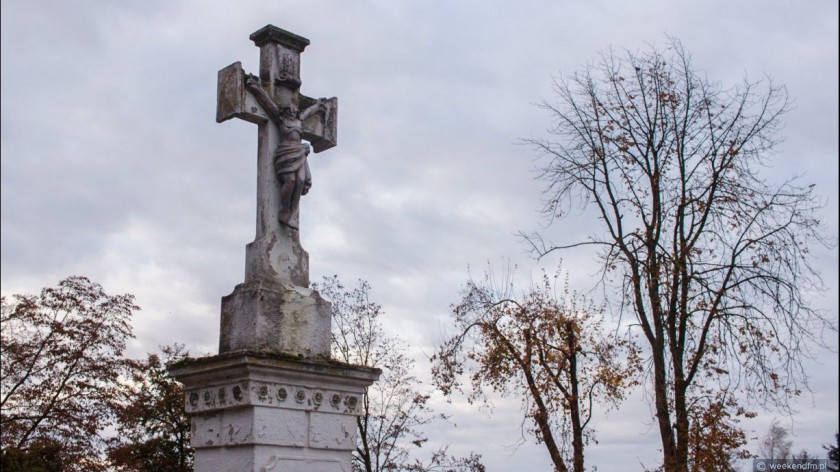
(272, 399)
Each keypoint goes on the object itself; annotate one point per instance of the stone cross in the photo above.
(273, 399)
(273, 101)
(274, 310)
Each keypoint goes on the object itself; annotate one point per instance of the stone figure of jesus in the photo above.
(290, 156)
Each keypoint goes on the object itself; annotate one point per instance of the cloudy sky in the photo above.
(113, 166)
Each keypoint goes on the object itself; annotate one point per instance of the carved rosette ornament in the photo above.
(272, 395)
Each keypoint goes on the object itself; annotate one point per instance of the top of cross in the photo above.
(271, 33)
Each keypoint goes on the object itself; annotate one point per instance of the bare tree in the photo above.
(395, 408)
(776, 443)
(61, 364)
(546, 345)
(710, 259)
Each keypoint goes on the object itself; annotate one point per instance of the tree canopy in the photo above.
(549, 347)
(62, 360)
(395, 408)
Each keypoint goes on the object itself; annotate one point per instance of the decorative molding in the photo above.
(273, 395)
(273, 34)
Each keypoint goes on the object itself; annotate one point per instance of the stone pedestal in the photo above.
(267, 412)
(268, 316)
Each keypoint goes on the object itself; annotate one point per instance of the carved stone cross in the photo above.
(274, 310)
(274, 399)
(285, 117)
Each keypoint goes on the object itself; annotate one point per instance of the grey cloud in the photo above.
(113, 166)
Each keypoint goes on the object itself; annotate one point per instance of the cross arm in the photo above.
(320, 120)
(233, 100)
(319, 116)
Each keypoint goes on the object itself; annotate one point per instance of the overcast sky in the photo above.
(113, 165)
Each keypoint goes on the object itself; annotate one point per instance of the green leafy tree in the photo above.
(710, 259)
(62, 359)
(154, 430)
(395, 408)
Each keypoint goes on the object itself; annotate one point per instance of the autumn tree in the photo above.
(547, 346)
(153, 428)
(716, 441)
(395, 408)
(61, 359)
(710, 259)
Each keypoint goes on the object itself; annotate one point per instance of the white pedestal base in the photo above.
(266, 412)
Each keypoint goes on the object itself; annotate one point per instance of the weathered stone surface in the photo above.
(321, 130)
(331, 431)
(255, 368)
(257, 425)
(256, 411)
(269, 459)
(271, 34)
(280, 427)
(277, 256)
(264, 316)
(205, 430)
(289, 395)
(275, 463)
(232, 99)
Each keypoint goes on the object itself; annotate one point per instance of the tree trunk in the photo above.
(681, 416)
(541, 417)
(574, 401)
(364, 450)
(663, 415)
